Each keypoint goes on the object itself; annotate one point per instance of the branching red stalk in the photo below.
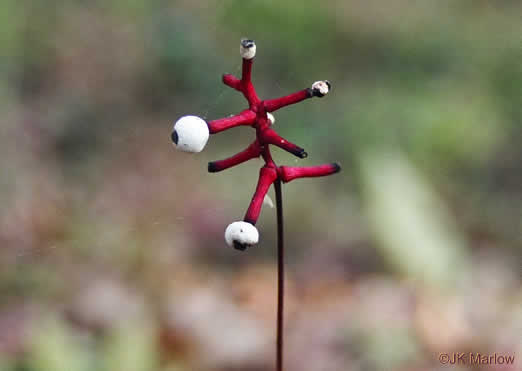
(257, 116)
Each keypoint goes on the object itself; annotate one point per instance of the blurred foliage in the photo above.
(112, 253)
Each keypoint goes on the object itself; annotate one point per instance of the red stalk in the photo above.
(289, 173)
(272, 105)
(269, 136)
(251, 152)
(246, 84)
(246, 73)
(246, 117)
(232, 81)
(267, 175)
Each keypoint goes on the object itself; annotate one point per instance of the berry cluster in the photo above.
(191, 133)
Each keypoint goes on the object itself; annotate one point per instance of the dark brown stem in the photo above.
(280, 275)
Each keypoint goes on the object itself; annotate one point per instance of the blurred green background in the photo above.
(111, 242)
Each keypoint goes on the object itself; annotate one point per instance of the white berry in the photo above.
(247, 49)
(321, 88)
(241, 235)
(190, 134)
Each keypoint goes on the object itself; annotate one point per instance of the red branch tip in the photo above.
(267, 176)
(252, 151)
(289, 173)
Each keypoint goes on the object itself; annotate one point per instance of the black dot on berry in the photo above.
(175, 137)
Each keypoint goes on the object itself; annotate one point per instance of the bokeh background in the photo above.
(111, 242)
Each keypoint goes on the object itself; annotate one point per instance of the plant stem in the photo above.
(280, 275)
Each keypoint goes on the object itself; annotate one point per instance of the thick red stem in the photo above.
(232, 81)
(267, 156)
(246, 117)
(246, 75)
(274, 104)
(289, 173)
(245, 84)
(251, 152)
(267, 175)
(269, 136)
